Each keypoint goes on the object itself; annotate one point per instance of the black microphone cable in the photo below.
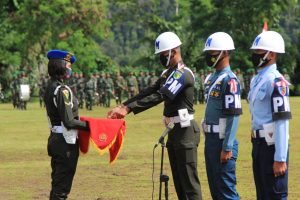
(153, 156)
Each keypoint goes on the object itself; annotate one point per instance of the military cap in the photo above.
(59, 54)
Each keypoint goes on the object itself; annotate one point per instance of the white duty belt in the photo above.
(176, 119)
(258, 134)
(56, 129)
(211, 128)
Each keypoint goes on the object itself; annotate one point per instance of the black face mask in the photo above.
(163, 60)
(258, 59)
(211, 60)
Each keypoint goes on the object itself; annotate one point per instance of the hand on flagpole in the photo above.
(118, 112)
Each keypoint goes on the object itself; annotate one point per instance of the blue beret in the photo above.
(59, 54)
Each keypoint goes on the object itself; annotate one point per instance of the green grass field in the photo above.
(25, 165)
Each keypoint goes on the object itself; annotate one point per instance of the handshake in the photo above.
(118, 112)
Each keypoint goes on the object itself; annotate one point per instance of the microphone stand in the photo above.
(163, 178)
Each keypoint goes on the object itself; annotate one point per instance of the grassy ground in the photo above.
(25, 166)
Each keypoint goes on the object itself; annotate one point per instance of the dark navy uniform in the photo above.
(222, 92)
(176, 88)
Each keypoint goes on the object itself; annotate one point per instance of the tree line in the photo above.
(119, 35)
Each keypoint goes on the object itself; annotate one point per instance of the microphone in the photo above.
(169, 127)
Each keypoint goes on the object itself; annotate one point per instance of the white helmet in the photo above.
(270, 41)
(219, 41)
(166, 41)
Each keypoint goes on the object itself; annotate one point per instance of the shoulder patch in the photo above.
(281, 85)
(177, 74)
(233, 86)
(66, 93)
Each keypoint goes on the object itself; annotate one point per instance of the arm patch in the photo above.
(280, 101)
(174, 84)
(232, 98)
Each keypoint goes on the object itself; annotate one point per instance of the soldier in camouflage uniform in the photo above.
(42, 88)
(72, 82)
(140, 80)
(146, 79)
(80, 89)
(120, 87)
(96, 94)
(132, 85)
(14, 90)
(101, 84)
(196, 86)
(153, 78)
(109, 90)
(240, 76)
(201, 91)
(89, 91)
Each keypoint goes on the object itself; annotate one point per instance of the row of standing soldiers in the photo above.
(100, 89)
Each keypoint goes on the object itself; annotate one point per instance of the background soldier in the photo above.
(120, 87)
(196, 86)
(42, 88)
(141, 81)
(201, 90)
(109, 90)
(147, 79)
(153, 78)
(14, 90)
(80, 89)
(240, 77)
(132, 84)
(89, 91)
(101, 84)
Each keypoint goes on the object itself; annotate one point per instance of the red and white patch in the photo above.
(282, 86)
(233, 86)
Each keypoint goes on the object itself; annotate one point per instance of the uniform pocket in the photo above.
(261, 95)
(281, 185)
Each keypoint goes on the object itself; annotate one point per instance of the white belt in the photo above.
(176, 119)
(211, 128)
(56, 129)
(258, 134)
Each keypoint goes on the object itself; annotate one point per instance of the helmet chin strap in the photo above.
(169, 57)
(217, 59)
(264, 59)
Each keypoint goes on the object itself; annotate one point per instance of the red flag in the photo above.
(265, 28)
(105, 134)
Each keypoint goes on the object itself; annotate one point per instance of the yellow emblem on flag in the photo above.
(102, 137)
